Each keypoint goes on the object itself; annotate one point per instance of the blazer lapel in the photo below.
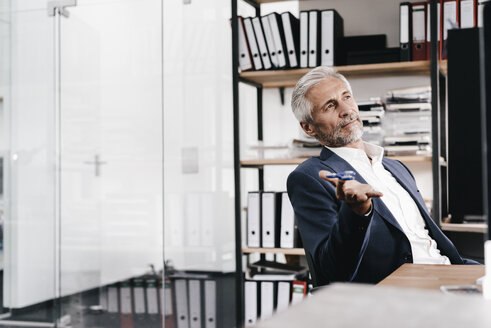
(334, 163)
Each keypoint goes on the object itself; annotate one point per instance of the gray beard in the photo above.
(335, 138)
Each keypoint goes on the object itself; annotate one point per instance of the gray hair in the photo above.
(301, 106)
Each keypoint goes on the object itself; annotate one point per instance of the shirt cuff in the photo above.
(369, 211)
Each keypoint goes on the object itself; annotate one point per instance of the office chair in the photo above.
(314, 277)
(312, 270)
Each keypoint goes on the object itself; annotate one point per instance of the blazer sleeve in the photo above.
(330, 230)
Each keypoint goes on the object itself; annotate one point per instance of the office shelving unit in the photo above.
(288, 78)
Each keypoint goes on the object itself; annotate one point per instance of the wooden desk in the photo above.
(388, 305)
(432, 276)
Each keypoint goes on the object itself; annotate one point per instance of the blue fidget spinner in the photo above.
(346, 175)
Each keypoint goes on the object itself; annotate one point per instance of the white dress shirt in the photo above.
(396, 198)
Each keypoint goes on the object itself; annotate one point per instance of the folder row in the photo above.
(279, 41)
(264, 298)
(203, 300)
(135, 303)
(415, 25)
(184, 300)
(271, 221)
(191, 218)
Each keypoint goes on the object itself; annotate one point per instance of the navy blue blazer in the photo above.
(348, 247)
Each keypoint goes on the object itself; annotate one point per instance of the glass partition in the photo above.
(116, 156)
(198, 163)
(110, 113)
(81, 175)
(29, 161)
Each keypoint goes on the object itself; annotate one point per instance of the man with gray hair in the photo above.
(361, 225)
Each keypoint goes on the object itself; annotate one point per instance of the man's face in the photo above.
(336, 122)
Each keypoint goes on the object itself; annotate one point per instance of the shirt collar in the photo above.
(376, 153)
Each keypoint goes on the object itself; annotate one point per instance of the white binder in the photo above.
(261, 42)
(449, 17)
(287, 235)
(208, 215)
(250, 293)
(290, 27)
(245, 61)
(152, 298)
(268, 217)
(139, 294)
(327, 35)
(268, 34)
(276, 30)
(210, 304)
(313, 37)
(304, 39)
(251, 38)
(267, 299)
(254, 219)
(194, 303)
(181, 297)
(103, 298)
(112, 299)
(125, 299)
(467, 14)
(174, 212)
(284, 291)
(193, 219)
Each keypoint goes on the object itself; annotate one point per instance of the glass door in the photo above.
(110, 142)
(27, 148)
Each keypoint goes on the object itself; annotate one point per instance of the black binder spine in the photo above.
(339, 52)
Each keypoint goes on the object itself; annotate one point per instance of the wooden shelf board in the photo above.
(288, 78)
(412, 158)
(465, 227)
(286, 251)
(297, 161)
(273, 161)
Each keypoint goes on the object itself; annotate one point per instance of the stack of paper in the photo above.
(371, 114)
(305, 147)
(407, 123)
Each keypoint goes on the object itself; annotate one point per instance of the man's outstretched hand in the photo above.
(358, 196)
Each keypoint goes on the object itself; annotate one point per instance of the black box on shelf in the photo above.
(464, 113)
(364, 42)
(387, 55)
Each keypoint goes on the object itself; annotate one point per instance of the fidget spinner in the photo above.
(346, 175)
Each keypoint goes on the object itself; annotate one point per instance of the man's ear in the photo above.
(308, 128)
